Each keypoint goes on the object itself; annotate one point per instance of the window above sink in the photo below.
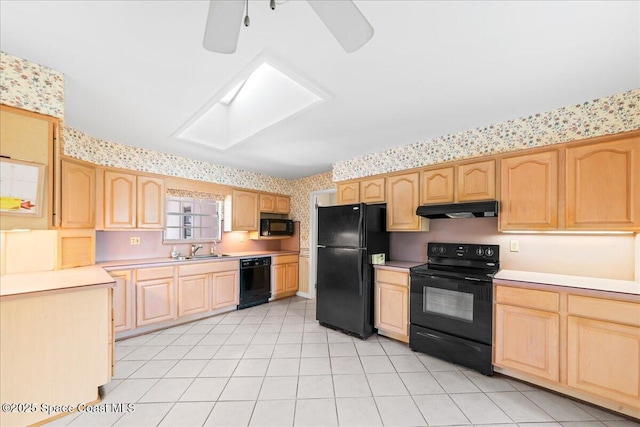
(192, 220)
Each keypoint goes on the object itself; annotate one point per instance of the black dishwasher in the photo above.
(255, 281)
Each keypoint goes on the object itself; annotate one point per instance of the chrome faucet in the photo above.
(214, 245)
(194, 249)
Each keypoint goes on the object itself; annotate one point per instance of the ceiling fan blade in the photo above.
(223, 25)
(345, 21)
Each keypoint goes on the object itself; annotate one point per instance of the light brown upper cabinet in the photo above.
(403, 198)
(603, 182)
(364, 191)
(78, 199)
(529, 192)
(242, 211)
(270, 203)
(437, 185)
(267, 203)
(372, 190)
(150, 201)
(132, 201)
(119, 200)
(348, 193)
(31, 137)
(476, 181)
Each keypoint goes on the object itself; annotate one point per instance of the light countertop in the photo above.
(27, 283)
(398, 265)
(110, 265)
(611, 285)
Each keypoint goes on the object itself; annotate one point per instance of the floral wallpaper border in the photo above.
(30, 86)
(604, 116)
(82, 146)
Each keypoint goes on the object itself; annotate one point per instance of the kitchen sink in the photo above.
(203, 256)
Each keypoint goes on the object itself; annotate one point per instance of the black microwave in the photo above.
(276, 227)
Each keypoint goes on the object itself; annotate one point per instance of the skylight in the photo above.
(263, 96)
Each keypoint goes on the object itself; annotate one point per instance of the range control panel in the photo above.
(464, 251)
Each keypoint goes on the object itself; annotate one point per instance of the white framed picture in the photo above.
(21, 187)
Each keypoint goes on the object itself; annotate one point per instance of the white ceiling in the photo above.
(136, 71)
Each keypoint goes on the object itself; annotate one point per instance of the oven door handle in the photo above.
(435, 337)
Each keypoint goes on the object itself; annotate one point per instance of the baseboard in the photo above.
(305, 295)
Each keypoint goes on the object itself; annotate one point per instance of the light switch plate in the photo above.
(515, 246)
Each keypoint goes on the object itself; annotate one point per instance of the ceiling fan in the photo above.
(345, 21)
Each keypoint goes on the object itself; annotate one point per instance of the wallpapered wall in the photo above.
(604, 116)
(301, 190)
(30, 86)
(82, 146)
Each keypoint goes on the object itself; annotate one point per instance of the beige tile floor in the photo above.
(274, 365)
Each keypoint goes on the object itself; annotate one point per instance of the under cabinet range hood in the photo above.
(484, 209)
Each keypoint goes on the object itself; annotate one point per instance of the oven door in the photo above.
(460, 307)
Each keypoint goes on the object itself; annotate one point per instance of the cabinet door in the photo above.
(119, 200)
(437, 185)
(528, 341)
(283, 205)
(291, 282)
(372, 190)
(348, 193)
(391, 308)
(154, 301)
(603, 182)
(403, 198)
(225, 289)
(603, 359)
(245, 215)
(122, 301)
(529, 192)
(278, 279)
(477, 181)
(267, 203)
(78, 195)
(150, 202)
(193, 294)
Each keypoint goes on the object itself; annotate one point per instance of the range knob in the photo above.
(434, 249)
(489, 252)
(442, 249)
(479, 252)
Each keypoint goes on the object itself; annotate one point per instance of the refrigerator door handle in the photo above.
(322, 246)
(361, 242)
(360, 275)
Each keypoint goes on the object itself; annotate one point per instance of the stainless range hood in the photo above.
(460, 210)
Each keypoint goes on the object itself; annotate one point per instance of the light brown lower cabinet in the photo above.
(193, 294)
(225, 289)
(155, 299)
(582, 343)
(122, 300)
(528, 340)
(284, 276)
(391, 303)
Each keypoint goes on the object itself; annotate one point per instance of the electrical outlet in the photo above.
(135, 240)
(515, 245)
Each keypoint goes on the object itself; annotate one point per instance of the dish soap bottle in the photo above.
(175, 253)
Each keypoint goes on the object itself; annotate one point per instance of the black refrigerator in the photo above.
(347, 237)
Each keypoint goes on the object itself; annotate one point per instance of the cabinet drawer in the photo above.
(284, 259)
(528, 298)
(392, 277)
(211, 267)
(605, 309)
(154, 273)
